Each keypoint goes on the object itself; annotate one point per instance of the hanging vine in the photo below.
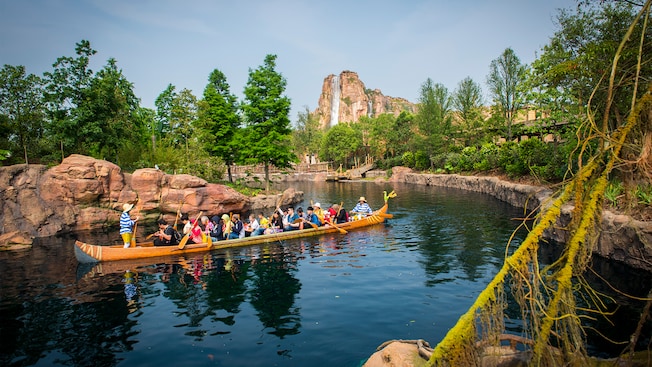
(549, 296)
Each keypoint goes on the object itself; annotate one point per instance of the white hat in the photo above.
(127, 207)
(362, 199)
(317, 205)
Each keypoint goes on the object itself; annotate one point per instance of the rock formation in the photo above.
(85, 193)
(344, 98)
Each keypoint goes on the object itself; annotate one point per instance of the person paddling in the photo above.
(127, 225)
(362, 209)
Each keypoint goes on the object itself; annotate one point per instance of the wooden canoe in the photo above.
(87, 253)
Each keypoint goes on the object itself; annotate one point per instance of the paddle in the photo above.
(133, 236)
(132, 243)
(209, 239)
(185, 238)
(342, 230)
(306, 221)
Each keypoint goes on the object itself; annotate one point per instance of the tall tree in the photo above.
(21, 105)
(306, 137)
(340, 143)
(400, 135)
(65, 87)
(266, 111)
(106, 114)
(467, 101)
(506, 75)
(434, 118)
(163, 103)
(219, 120)
(183, 117)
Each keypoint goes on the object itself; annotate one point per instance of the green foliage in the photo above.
(434, 118)
(613, 190)
(421, 160)
(468, 101)
(580, 54)
(644, 194)
(22, 117)
(390, 162)
(339, 144)
(219, 122)
(509, 160)
(408, 159)
(267, 136)
(164, 103)
(505, 80)
(307, 136)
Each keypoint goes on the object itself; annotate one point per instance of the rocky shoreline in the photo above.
(622, 239)
(84, 193)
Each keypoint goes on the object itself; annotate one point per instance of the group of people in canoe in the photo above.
(231, 226)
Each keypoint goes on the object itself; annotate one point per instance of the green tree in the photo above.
(219, 120)
(467, 101)
(266, 111)
(23, 111)
(400, 134)
(307, 135)
(163, 103)
(64, 92)
(183, 118)
(106, 113)
(340, 144)
(376, 133)
(505, 79)
(433, 118)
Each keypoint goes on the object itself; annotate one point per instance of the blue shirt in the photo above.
(313, 218)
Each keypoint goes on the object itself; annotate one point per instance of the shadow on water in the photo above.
(328, 300)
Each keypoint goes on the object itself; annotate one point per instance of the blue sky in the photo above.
(394, 46)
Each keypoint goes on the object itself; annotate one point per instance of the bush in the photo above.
(390, 162)
(408, 159)
(421, 161)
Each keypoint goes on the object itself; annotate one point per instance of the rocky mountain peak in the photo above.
(344, 98)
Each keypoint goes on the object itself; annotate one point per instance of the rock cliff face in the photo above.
(344, 98)
(86, 193)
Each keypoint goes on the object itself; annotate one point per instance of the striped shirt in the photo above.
(126, 223)
(362, 208)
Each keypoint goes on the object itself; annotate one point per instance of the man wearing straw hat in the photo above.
(362, 209)
(126, 224)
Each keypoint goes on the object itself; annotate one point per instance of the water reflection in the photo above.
(327, 300)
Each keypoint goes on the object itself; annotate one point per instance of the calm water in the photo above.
(327, 300)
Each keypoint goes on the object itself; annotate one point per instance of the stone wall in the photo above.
(621, 238)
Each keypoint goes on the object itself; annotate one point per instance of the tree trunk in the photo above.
(228, 170)
(266, 177)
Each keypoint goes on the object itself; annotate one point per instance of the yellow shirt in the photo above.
(263, 222)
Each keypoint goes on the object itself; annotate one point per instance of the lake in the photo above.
(328, 300)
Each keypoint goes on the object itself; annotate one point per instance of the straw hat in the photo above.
(362, 199)
(127, 207)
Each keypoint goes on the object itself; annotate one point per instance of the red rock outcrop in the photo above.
(347, 94)
(86, 193)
